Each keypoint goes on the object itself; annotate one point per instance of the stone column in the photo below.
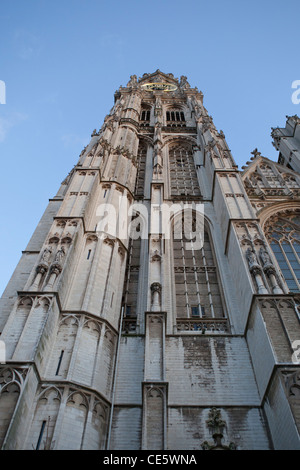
(256, 271)
(154, 385)
(155, 296)
(40, 271)
(54, 273)
(270, 270)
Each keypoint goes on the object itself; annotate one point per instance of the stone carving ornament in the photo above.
(216, 425)
(155, 296)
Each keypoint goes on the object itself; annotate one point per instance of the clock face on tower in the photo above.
(159, 86)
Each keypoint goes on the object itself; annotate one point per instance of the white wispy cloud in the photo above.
(10, 121)
(70, 140)
(27, 44)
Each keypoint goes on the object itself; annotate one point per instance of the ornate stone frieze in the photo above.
(209, 325)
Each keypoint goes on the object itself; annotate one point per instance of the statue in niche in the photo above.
(157, 132)
(46, 255)
(264, 256)
(158, 103)
(60, 255)
(251, 257)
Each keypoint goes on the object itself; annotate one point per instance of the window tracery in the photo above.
(145, 115)
(183, 174)
(141, 165)
(196, 279)
(283, 234)
(175, 118)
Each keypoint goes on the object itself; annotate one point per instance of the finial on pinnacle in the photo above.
(255, 154)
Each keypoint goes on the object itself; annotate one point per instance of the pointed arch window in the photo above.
(141, 166)
(175, 118)
(145, 115)
(197, 290)
(283, 233)
(183, 176)
(132, 301)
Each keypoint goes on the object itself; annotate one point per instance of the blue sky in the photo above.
(62, 61)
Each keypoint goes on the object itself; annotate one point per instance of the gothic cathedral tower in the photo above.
(155, 306)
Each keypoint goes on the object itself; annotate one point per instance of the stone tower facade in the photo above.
(156, 304)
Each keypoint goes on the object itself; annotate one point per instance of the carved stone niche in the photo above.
(256, 270)
(54, 240)
(120, 189)
(154, 411)
(41, 268)
(291, 382)
(258, 258)
(109, 241)
(67, 239)
(269, 269)
(73, 223)
(155, 256)
(61, 223)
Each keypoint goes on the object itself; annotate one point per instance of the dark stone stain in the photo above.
(197, 352)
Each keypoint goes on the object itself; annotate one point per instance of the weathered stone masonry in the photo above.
(158, 337)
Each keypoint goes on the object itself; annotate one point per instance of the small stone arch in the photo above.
(25, 302)
(51, 391)
(92, 325)
(171, 141)
(78, 399)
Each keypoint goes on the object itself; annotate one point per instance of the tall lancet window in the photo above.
(132, 301)
(141, 164)
(175, 118)
(283, 233)
(183, 176)
(145, 115)
(197, 288)
(130, 291)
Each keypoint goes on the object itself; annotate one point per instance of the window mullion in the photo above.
(289, 264)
